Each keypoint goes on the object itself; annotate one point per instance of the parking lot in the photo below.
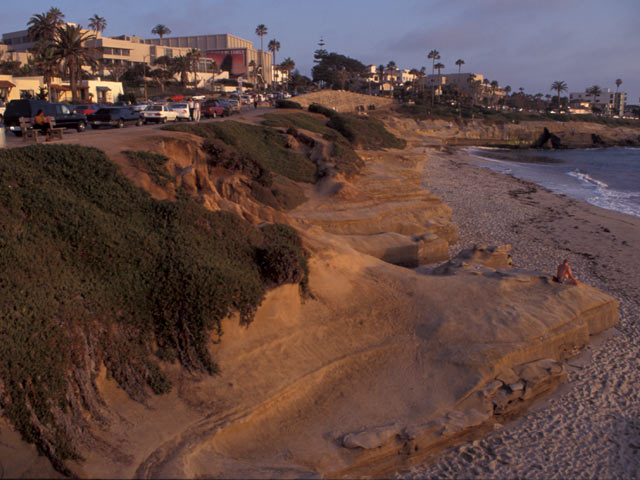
(108, 138)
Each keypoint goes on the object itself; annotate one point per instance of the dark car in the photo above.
(215, 108)
(114, 117)
(61, 112)
(88, 109)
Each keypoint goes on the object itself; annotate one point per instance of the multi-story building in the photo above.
(230, 53)
(607, 102)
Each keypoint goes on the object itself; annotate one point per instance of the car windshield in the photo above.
(154, 108)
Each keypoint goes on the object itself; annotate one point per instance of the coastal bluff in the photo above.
(378, 369)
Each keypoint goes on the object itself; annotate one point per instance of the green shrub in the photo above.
(321, 109)
(281, 257)
(365, 132)
(265, 146)
(94, 271)
(281, 103)
(152, 164)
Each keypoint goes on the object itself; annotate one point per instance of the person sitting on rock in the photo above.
(564, 274)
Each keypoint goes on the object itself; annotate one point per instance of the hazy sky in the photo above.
(521, 43)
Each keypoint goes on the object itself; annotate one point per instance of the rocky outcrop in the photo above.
(343, 102)
(384, 213)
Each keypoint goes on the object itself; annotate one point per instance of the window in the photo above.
(168, 52)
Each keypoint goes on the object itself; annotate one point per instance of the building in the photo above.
(15, 88)
(607, 102)
(224, 51)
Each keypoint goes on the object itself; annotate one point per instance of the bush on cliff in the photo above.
(321, 109)
(288, 104)
(265, 146)
(94, 271)
(365, 132)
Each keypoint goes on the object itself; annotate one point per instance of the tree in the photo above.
(161, 30)
(433, 55)
(48, 66)
(274, 46)
(618, 83)
(97, 23)
(193, 57)
(57, 17)
(335, 69)
(42, 26)
(559, 86)
(287, 66)
(439, 66)
(594, 90)
(459, 63)
(70, 51)
(261, 31)
(181, 65)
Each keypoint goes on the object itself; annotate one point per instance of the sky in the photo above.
(521, 43)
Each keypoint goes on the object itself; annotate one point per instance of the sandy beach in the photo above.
(590, 428)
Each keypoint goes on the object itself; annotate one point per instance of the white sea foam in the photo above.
(585, 177)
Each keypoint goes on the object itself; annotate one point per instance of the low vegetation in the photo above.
(152, 164)
(281, 103)
(93, 272)
(263, 146)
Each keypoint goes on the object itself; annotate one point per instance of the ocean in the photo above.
(606, 177)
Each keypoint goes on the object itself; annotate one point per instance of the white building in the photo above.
(608, 102)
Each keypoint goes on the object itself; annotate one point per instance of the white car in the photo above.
(182, 110)
(139, 107)
(158, 114)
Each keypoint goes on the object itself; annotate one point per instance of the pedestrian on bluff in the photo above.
(196, 111)
(190, 104)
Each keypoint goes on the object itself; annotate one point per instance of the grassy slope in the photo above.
(93, 270)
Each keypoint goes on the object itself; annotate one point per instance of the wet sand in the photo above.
(591, 426)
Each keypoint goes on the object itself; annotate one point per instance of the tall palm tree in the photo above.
(273, 47)
(97, 23)
(181, 65)
(559, 86)
(161, 30)
(459, 63)
(252, 71)
(261, 31)
(439, 66)
(433, 55)
(618, 83)
(70, 51)
(56, 15)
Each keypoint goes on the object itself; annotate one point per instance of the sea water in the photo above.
(605, 177)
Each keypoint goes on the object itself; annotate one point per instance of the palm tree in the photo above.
(433, 55)
(181, 65)
(161, 30)
(288, 65)
(69, 50)
(48, 65)
(618, 83)
(559, 86)
(261, 31)
(273, 47)
(42, 27)
(381, 76)
(57, 17)
(97, 23)
(594, 90)
(459, 63)
(439, 66)
(252, 71)
(193, 57)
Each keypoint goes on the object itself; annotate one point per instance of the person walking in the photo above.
(190, 105)
(196, 110)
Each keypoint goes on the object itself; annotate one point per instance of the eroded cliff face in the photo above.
(524, 134)
(378, 370)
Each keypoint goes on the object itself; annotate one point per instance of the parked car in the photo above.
(158, 114)
(215, 108)
(234, 105)
(61, 113)
(182, 110)
(140, 106)
(87, 109)
(116, 117)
